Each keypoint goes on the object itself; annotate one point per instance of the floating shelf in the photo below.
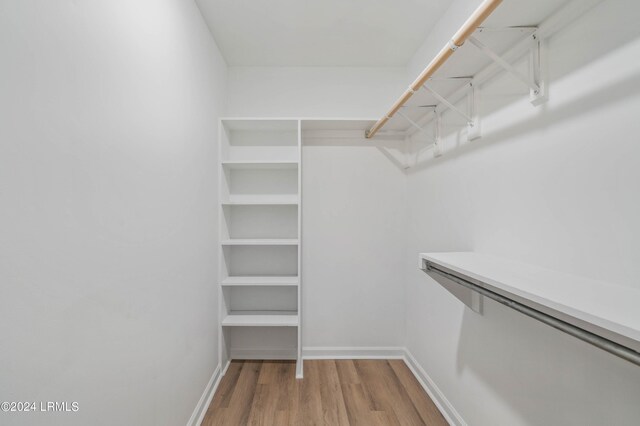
(605, 311)
(260, 281)
(260, 242)
(261, 320)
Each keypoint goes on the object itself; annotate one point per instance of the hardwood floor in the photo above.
(333, 392)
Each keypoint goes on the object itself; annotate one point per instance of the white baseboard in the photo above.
(448, 411)
(201, 408)
(317, 352)
(446, 408)
(261, 353)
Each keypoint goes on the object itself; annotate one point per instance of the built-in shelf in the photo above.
(606, 310)
(259, 229)
(260, 242)
(260, 320)
(260, 281)
(261, 200)
(259, 164)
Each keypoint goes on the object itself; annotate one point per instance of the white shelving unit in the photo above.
(260, 236)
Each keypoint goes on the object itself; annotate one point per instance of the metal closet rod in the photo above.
(475, 20)
(584, 335)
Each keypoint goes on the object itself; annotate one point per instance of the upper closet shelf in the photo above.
(493, 39)
(607, 311)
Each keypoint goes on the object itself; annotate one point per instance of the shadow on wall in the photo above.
(618, 91)
(495, 344)
(583, 42)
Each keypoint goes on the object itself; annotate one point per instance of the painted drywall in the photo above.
(324, 33)
(313, 92)
(353, 241)
(107, 209)
(353, 201)
(554, 186)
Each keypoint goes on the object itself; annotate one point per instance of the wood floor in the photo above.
(333, 392)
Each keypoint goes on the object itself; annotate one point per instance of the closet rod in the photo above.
(475, 20)
(584, 335)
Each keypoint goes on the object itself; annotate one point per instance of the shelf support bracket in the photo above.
(446, 102)
(437, 134)
(533, 82)
(414, 124)
(473, 126)
(472, 118)
(538, 56)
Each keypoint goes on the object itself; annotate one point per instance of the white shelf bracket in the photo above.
(473, 126)
(533, 82)
(414, 124)
(437, 135)
(537, 64)
(446, 103)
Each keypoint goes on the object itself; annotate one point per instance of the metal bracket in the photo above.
(447, 103)
(537, 64)
(437, 134)
(472, 118)
(414, 124)
(473, 126)
(533, 82)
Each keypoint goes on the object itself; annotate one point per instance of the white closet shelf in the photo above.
(260, 281)
(260, 164)
(261, 200)
(275, 319)
(607, 310)
(489, 42)
(260, 242)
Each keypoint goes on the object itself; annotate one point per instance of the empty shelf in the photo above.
(260, 320)
(608, 311)
(260, 281)
(259, 164)
(265, 200)
(260, 242)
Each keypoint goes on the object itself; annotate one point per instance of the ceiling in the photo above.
(320, 32)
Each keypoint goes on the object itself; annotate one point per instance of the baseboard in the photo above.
(201, 408)
(261, 353)
(384, 352)
(446, 408)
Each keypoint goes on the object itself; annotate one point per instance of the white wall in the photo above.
(353, 201)
(107, 209)
(353, 241)
(313, 92)
(555, 186)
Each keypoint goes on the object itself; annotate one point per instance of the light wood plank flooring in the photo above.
(333, 392)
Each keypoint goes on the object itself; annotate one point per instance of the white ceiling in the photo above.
(320, 32)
